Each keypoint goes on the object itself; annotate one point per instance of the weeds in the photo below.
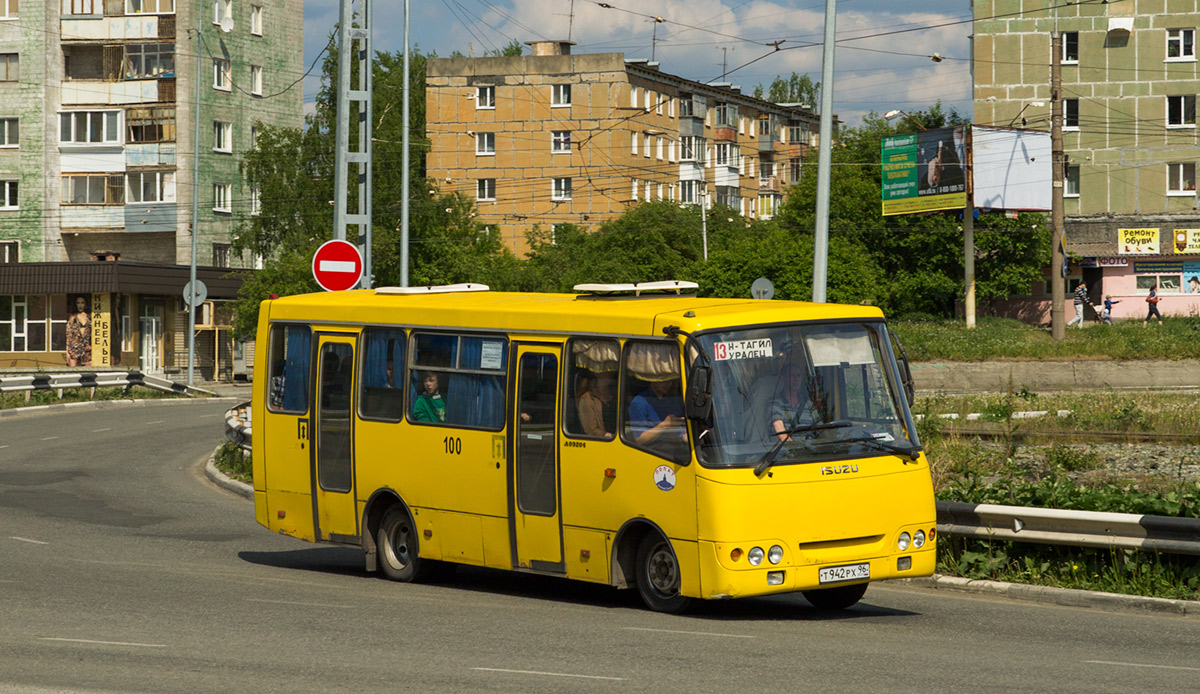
(235, 462)
(51, 397)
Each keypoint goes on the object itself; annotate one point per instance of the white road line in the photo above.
(157, 421)
(692, 633)
(4, 446)
(97, 431)
(302, 604)
(1162, 667)
(49, 438)
(106, 643)
(548, 674)
(25, 539)
(212, 415)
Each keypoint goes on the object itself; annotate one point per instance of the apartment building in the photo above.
(555, 138)
(1129, 88)
(112, 114)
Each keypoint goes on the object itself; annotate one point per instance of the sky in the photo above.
(883, 58)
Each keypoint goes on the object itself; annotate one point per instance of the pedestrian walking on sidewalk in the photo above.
(1106, 317)
(1152, 303)
(1081, 298)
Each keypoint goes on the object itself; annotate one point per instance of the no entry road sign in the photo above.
(337, 266)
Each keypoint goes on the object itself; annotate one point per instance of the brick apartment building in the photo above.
(554, 138)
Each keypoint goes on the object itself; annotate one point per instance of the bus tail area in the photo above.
(596, 437)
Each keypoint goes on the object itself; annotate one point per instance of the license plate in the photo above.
(851, 572)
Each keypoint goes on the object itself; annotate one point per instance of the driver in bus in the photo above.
(791, 408)
(657, 413)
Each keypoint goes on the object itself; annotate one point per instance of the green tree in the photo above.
(796, 89)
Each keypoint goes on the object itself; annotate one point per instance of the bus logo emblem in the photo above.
(664, 478)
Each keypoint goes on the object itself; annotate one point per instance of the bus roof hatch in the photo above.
(638, 288)
(435, 289)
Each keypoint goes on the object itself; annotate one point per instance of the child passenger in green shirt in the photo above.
(430, 407)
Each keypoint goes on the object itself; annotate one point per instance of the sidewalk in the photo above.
(1054, 375)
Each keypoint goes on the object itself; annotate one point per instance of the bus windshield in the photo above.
(802, 393)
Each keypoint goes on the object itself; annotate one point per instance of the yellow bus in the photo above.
(631, 435)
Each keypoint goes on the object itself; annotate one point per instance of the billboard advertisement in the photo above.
(1187, 241)
(924, 172)
(1011, 169)
(1137, 241)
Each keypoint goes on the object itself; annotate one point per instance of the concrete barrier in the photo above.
(1054, 375)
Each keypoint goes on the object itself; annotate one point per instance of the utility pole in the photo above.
(1058, 325)
(969, 238)
(824, 157)
(354, 44)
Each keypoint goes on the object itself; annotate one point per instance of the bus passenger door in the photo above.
(333, 443)
(536, 528)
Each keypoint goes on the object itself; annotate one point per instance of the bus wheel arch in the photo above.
(644, 557)
(373, 512)
(625, 549)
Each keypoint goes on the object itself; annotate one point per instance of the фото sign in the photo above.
(924, 172)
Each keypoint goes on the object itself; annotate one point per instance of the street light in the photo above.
(891, 115)
(1039, 104)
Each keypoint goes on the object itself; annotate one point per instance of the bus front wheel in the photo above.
(835, 598)
(399, 556)
(658, 578)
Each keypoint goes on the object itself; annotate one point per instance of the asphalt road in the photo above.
(123, 569)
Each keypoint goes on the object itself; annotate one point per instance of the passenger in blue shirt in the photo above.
(656, 415)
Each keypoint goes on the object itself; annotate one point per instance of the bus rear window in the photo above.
(291, 352)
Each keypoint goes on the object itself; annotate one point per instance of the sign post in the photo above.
(337, 266)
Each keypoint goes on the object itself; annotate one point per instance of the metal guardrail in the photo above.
(1049, 526)
(237, 425)
(32, 382)
(1054, 526)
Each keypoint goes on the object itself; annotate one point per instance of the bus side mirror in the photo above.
(905, 369)
(698, 403)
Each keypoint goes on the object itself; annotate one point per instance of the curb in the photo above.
(105, 404)
(1065, 597)
(219, 478)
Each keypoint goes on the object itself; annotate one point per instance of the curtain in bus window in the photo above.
(478, 399)
(383, 374)
(295, 372)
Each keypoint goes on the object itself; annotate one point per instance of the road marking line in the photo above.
(97, 431)
(212, 415)
(548, 674)
(106, 643)
(693, 633)
(4, 446)
(1163, 667)
(25, 539)
(302, 604)
(49, 438)
(157, 421)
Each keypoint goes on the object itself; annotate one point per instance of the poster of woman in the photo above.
(79, 332)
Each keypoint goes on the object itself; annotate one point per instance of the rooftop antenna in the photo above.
(725, 60)
(571, 20)
(654, 37)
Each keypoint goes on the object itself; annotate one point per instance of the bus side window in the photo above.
(458, 380)
(290, 352)
(382, 379)
(591, 388)
(653, 401)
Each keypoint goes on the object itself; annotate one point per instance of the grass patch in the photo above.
(234, 462)
(50, 397)
(1001, 338)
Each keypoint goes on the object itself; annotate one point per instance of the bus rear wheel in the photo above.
(399, 555)
(658, 578)
(835, 598)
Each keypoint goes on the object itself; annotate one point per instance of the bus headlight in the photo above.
(755, 556)
(904, 541)
(775, 554)
(919, 539)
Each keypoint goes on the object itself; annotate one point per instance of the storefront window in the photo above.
(24, 321)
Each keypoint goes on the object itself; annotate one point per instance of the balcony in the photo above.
(769, 184)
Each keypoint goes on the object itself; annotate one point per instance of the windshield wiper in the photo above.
(906, 451)
(769, 458)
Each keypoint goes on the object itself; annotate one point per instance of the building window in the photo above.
(660, 148)
(82, 7)
(1181, 44)
(222, 254)
(1181, 179)
(562, 189)
(8, 9)
(1181, 111)
(634, 194)
(150, 125)
(633, 96)
(485, 144)
(727, 115)
(794, 166)
(93, 189)
(143, 6)
(256, 80)
(90, 127)
(222, 136)
(688, 146)
(485, 189)
(723, 154)
(1071, 114)
(560, 141)
(221, 202)
(1070, 48)
(222, 77)
(253, 136)
(10, 66)
(255, 201)
(8, 195)
(256, 20)
(1072, 181)
(10, 132)
(150, 186)
(485, 97)
(222, 9)
(633, 143)
(9, 252)
(560, 95)
(646, 145)
(686, 106)
(149, 60)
